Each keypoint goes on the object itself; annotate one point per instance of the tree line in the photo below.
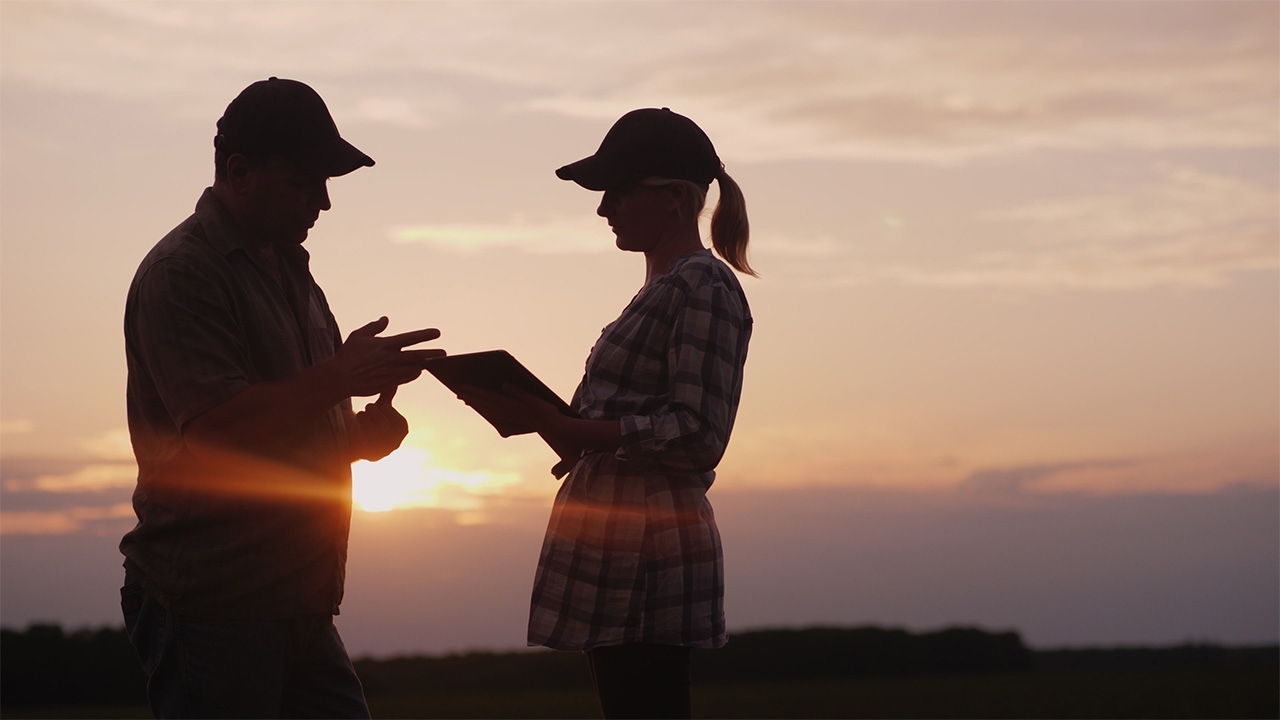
(45, 665)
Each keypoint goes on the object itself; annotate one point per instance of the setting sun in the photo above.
(408, 478)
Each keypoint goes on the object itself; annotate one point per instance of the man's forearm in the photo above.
(266, 417)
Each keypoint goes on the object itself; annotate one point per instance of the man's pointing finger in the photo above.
(413, 337)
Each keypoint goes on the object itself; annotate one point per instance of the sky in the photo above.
(1016, 359)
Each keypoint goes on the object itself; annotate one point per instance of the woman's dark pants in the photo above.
(641, 681)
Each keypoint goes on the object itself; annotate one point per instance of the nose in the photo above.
(606, 204)
(320, 198)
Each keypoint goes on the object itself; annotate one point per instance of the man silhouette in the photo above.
(239, 404)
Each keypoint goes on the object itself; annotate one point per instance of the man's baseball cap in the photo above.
(287, 118)
(649, 142)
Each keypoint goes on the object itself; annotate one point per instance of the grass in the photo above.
(1215, 692)
(1145, 693)
(79, 711)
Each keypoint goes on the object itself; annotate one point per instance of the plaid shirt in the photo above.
(632, 553)
(203, 321)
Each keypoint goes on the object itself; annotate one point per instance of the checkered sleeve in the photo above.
(182, 330)
(689, 431)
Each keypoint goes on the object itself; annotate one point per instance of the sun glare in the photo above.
(408, 478)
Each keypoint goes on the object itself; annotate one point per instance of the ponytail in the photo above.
(729, 229)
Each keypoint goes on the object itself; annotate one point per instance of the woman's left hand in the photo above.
(512, 406)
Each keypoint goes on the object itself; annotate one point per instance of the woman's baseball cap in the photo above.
(649, 142)
(287, 118)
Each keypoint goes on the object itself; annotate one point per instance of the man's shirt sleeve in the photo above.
(183, 331)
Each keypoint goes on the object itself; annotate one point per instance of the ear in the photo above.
(239, 173)
(681, 200)
(677, 194)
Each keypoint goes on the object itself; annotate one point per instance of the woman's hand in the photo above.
(516, 407)
(512, 406)
(567, 436)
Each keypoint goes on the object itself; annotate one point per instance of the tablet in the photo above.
(489, 370)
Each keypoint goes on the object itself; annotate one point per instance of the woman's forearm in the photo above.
(585, 434)
(568, 437)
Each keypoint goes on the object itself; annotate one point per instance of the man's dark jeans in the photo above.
(215, 668)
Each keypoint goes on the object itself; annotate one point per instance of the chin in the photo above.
(622, 244)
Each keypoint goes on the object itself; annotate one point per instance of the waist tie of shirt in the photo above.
(563, 467)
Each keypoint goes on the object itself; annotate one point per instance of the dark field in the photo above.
(1186, 693)
(821, 673)
(1056, 694)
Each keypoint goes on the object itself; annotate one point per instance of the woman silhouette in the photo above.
(631, 569)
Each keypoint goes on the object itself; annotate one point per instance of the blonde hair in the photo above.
(730, 230)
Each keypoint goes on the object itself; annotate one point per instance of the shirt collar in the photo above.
(224, 234)
(700, 252)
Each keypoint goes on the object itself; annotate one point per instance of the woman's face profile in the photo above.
(640, 215)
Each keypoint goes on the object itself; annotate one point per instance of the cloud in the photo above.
(1189, 228)
(556, 236)
(1184, 473)
(1146, 569)
(16, 427)
(917, 82)
(1069, 569)
(960, 81)
(1182, 227)
(1011, 480)
(92, 478)
(60, 522)
(113, 444)
(392, 111)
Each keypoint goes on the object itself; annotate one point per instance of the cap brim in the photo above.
(334, 158)
(593, 173)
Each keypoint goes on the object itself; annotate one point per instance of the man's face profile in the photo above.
(281, 200)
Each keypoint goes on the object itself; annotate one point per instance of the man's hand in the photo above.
(369, 365)
(379, 428)
(269, 416)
